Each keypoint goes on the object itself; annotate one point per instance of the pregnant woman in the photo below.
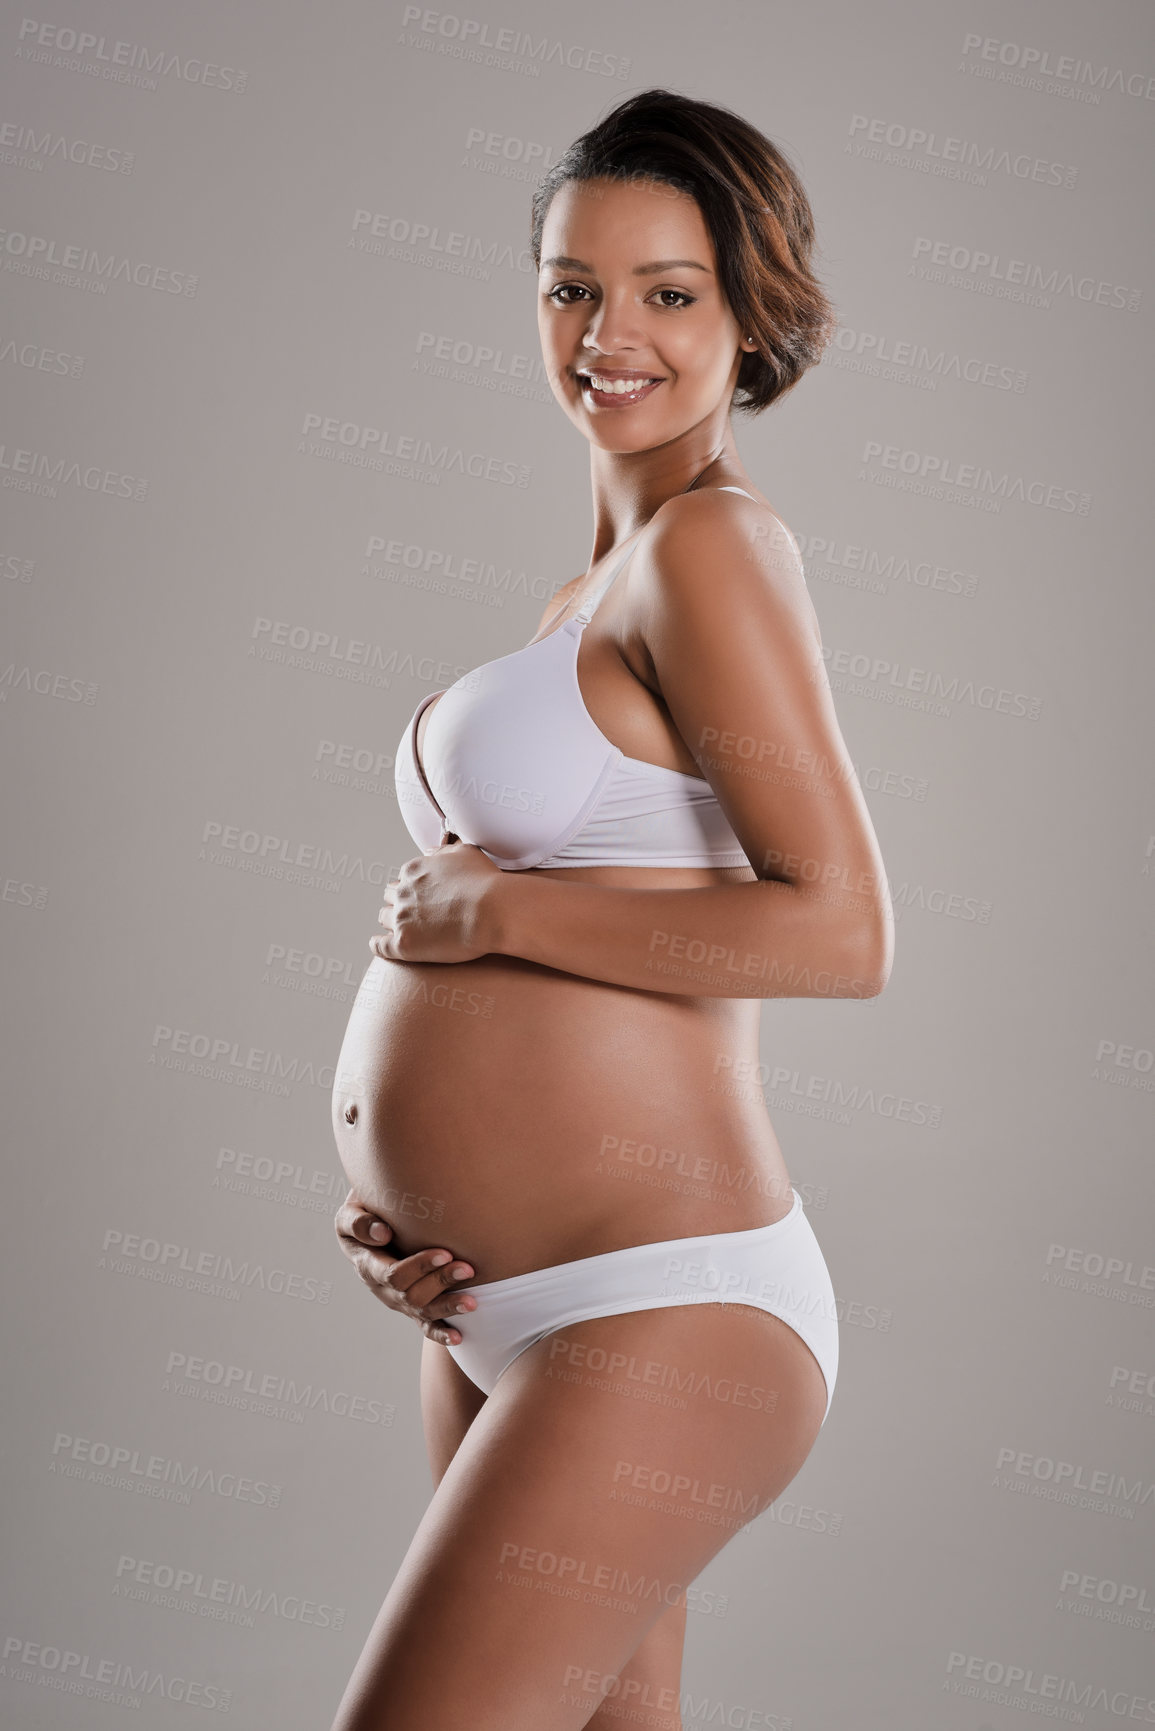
(633, 829)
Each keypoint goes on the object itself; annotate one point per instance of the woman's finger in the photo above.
(377, 1268)
(437, 1266)
(357, 1222)
(370, 1229)
(442, 1333)
(434, 1307)
(435, 1318)
(351, 1205)
(434, 1303)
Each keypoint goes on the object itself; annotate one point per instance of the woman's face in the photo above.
(604, 309)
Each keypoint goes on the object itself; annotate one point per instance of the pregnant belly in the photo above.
(520, 1116)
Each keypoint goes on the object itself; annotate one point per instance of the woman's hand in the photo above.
(441, 907)
(413, 1286)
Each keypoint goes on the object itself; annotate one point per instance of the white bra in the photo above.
(516, 765)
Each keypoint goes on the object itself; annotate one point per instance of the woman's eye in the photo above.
(563, 289)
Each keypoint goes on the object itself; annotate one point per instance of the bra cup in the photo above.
(511, 754)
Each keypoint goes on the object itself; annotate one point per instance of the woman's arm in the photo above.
(734, 644)
(749, 940)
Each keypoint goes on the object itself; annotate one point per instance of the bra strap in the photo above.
(589, 606)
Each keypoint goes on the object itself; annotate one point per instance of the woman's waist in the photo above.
(644, 1245)
(506, 1231)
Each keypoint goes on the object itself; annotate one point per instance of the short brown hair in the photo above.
(754, 206)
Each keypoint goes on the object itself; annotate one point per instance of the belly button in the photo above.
(351, 1113)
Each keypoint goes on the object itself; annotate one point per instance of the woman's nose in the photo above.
(610, 328)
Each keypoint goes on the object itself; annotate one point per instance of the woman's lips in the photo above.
(614, 399)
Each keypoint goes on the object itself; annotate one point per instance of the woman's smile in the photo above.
(608, 388)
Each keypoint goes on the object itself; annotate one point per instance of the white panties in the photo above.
(778, 1268)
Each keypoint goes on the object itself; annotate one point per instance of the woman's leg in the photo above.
(648, 1688)
(653, 1676)
(449, 1404)
(531, 1578)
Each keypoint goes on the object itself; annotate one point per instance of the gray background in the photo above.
(187, 868)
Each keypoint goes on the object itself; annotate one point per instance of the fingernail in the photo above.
(440, 1259)
(460, 1271)
(377, 1230)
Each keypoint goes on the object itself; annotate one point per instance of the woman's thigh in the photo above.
(449, 1404)
(652, 1675)
(547, 1552)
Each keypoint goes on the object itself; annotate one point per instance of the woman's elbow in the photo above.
(870, 957)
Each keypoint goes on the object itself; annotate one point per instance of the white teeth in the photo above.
(618, 387)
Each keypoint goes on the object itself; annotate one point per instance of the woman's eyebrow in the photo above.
(654, 269)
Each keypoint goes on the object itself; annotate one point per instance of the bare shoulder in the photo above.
(715, 546)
